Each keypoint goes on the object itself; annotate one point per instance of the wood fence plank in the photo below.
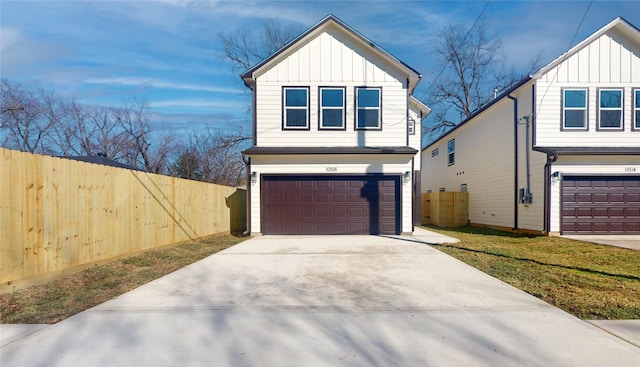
(6, 215)
(59, 213)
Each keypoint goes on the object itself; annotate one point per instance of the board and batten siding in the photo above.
(331, 60)
(415, 140)
(610, 61)
(484, 161)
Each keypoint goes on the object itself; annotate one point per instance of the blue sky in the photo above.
(167, 52)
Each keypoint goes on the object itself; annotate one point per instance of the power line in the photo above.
(566, 54)
(484, 8)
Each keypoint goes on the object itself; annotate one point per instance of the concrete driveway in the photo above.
(324, 301)
(626, 241)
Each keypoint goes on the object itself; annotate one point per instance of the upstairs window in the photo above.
(610, 109)
(332, 108)
(451, 151)
(574, 109)
(295, 108)
(368, 113)
(636, 109)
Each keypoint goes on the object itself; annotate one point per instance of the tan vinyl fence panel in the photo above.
(445, 209)
(58, 213)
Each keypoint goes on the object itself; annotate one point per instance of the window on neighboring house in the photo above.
(636, 108)
(368, 112)
(296, 108)
(574, 114)
(411, 126)
(451, 151)
(610, 109)
(332, 108)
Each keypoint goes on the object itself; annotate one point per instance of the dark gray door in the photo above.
(600, 205)
(330, 204)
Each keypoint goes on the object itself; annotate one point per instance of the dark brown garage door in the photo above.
(601, 205)
(330, 205)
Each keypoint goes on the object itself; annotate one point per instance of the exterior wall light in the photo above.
(254, 177)
(406, 177)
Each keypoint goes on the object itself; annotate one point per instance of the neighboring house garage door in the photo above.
(601, 205)
(330, 204)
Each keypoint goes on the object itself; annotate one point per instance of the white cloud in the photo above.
(155, 83)
(200, 103)
(19, 52)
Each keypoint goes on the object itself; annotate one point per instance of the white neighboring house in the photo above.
(560, 151)
(337, 137)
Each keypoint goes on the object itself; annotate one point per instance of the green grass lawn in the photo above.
(589, 281)
(66, 296)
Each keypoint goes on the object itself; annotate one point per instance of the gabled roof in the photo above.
(327, 22)
(419, 106)
(102, 160)
(620, 24)
(502, 96)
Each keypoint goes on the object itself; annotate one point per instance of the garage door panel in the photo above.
(330, 204)
(601, 205)
(307, 212)
(340, 198)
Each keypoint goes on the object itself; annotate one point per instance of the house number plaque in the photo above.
(332, 169)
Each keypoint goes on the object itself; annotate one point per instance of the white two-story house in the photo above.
(336, 137)
(557, 153)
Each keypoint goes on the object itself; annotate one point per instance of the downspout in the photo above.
(515, 161)
(551, 158)
(247, 202)
(247, 161)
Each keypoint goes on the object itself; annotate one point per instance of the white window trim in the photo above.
(585, 109)
(343, 109)
(635, 110)
(379, 109)
(621, 109)
(285, 108)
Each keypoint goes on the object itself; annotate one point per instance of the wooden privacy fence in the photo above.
(445, 209)
(57, 214)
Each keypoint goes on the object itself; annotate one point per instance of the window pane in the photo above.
(451, 146)
(610, 118)
(638, 98)
(296, 118)
(296, 98)
(611, 98)
(575, 118)
(332, 98)
(452, 158)
(332, 118)
(368, 97)
(367, 118)
(575, 98)
(638, 119)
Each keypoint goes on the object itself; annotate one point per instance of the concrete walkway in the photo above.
(324, 301)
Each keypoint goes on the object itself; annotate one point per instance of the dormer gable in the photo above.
(343, 36)
(618, 34)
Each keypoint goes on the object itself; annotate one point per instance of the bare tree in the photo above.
(473, 70)
(25, 124)
(142, 149)
(212, 156)
(245, 48)
(188, 165)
